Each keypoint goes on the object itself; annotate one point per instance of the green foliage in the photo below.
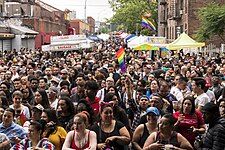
(128, 14)
(104, 29)
(212, 19)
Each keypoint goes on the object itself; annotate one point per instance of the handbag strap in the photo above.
(100, 133)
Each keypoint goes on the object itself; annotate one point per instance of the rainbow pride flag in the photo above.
(121, 59)
(148, 24)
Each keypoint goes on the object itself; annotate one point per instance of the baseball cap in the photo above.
(54, 89)
(152, 110)
(211, 107)
(110, 79)
(54, 79)
(39, 107)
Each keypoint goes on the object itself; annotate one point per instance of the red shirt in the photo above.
(194, 120)
(95, 104)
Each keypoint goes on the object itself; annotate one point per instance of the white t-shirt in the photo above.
(54, 104)
(177, 93)
(211, 95)
(201, 100)
(25, 110)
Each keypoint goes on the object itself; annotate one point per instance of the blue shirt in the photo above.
(13, 131)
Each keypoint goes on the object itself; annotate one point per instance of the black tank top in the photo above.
(173, 140)
(144, 136)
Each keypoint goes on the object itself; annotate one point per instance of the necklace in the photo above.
(81, 140)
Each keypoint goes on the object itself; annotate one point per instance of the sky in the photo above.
(98, 9)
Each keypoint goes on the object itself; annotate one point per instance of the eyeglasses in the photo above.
(50, 92)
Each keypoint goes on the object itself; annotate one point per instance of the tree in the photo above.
(212, 22)
(104, 29)
(128, 14)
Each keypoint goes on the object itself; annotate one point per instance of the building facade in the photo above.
(79, 26)
(177, 16)
(91, 22)
(38, 16)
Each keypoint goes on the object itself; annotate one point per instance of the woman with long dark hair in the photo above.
(41, 97)
(166, 137)
(189, 120)
(52, 129)
(65, 111)
(111, 133)
(118, 113)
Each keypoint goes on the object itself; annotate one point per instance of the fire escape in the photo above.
(163, 18)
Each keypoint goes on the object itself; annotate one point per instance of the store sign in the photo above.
(65, 47)
(67, 38)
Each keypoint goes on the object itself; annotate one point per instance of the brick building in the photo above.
(177, 16)
(38, 16)
(79, 26)
(91, 22)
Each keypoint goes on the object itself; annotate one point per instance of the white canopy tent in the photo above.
(103, 36)
(159, 42)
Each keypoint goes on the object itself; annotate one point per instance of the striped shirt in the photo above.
(25, 144)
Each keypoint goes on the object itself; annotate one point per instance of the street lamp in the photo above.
(85, 4)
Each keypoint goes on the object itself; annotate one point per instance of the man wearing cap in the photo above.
(35, 116)
(52, 97)
(215, 135)
(55, 82)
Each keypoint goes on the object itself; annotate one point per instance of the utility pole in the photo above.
(85, 17)
(159, 14)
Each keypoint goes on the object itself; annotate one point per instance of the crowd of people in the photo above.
(83, 100)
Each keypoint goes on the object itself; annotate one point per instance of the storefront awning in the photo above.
(22, 30)
(6, 36)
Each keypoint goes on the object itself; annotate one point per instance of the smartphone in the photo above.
(190, 131)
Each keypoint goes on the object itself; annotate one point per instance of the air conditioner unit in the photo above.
(181, 12)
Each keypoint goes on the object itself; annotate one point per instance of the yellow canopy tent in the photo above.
(184, 41)
(145, 46)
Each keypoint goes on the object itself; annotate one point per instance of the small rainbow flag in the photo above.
(148, 24)
(121, 59)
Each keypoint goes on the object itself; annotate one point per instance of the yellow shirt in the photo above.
(58, 137)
